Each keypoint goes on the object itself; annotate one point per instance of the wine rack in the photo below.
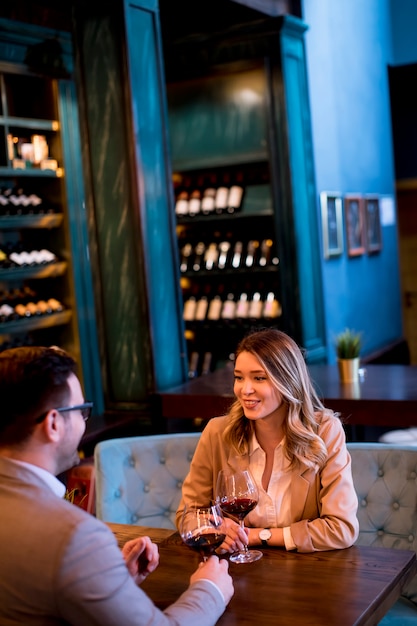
(35, 282)
(229, 259)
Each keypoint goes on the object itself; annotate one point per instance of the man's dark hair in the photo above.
(33, 380)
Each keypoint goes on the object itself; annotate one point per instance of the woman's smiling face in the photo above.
(254, 390)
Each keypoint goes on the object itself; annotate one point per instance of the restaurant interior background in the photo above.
(331, 110)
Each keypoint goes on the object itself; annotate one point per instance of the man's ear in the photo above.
(52, 425)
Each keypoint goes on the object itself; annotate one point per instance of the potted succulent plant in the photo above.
(348, 347)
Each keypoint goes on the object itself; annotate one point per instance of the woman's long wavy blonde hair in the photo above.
(283, 362)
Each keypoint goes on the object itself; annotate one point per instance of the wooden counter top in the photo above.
(387, 395)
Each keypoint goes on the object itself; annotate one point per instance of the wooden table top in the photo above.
(349, 587)
(125, 532)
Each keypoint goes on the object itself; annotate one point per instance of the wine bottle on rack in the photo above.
(255, 306)
(209, 195)
(222, 195)
(266, 252)
(198, 261)
(237, 254)
(211, 256)
(224, 249)
(207, 360)
(215, 308)
(7, 207)
(194, 202)
(202, 304)
(182, 198)
(272, 307)
(252, 248)
(35, 204)
(181, 205)
(4, 201)
(229, 308)
(234, 202)
(242, 306)
(15, 202)
(201, 309)
(193, 365)
(189, 309)
(186, 255)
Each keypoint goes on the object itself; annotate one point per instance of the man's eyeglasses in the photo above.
(85, 410)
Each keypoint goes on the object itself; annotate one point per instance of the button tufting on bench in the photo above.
(139, 479)
(379, 526)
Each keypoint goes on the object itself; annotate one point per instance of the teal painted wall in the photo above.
(349, 48)
(403, 14)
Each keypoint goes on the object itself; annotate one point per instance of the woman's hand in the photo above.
(236, 537)
(141, 557)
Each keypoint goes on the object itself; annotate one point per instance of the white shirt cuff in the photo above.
(288, 540)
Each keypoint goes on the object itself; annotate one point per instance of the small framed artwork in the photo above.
(332, 225)
(373, 225)
(355, 225)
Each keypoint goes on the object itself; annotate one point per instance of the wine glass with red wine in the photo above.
(203, 529)
(237, 495)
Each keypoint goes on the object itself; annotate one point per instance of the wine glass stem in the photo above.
(242, 523)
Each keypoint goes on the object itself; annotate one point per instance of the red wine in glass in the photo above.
(237, 495)
(238, 507)
(205, 543)
(203, 529)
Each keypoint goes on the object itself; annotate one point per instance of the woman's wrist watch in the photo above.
(264, 535)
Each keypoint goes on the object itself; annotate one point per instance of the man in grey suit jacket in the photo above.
(60, 565)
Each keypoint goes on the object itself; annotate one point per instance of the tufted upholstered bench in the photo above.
(139, 479)
(385, 479)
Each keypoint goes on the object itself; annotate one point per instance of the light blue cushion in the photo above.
(139, 479)
(385, 479)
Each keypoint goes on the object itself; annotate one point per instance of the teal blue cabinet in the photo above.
(244, 112)
(134, 119)
(46, 299)
(129, 196)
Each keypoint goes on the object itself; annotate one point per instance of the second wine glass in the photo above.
(202, 529)
(237, 495)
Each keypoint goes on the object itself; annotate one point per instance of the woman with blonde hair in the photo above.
(294, 447)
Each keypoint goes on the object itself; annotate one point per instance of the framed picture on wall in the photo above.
(373, 225)
(355, 224)
(332, 224)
